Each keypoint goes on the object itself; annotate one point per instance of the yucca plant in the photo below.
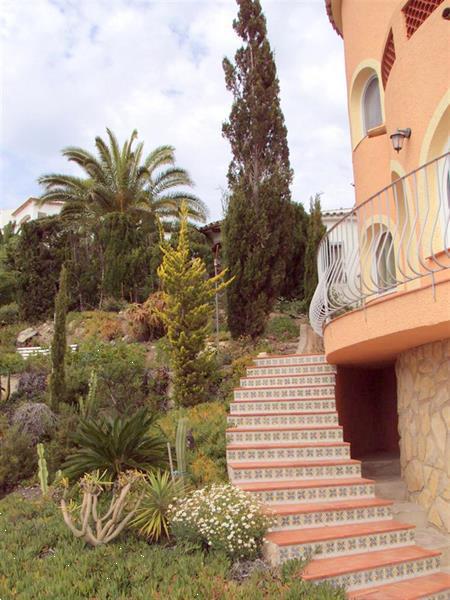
(117, 444)
(159, 493)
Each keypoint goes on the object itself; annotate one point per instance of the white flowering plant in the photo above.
(221, 517)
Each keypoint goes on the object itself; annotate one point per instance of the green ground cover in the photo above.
(40, 558)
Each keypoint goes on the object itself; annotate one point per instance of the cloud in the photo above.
(71, 68)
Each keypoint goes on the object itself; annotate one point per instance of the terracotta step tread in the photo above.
(308, 399)
(274, 414)
(300, 364)
(339, 565)
(294, 463)
(288, 375)
(268, 445)
(320, 534)
(409, 589)
(262, 486)
(284, 387)
(294, 509)
(290, 355)
(283, 428)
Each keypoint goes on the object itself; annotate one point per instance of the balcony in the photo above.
(392, 245)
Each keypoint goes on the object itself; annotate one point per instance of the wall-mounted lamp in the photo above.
(398, 137)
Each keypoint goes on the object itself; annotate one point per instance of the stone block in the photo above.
(414, 476)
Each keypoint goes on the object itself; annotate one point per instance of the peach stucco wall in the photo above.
(416, 95)
(418, 82)
(391, 325)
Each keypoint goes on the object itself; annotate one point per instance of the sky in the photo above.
(71, 68)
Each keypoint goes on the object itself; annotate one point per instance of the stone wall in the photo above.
(423, 396)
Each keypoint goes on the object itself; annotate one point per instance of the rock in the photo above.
(434, 518)
(439, 431)
(45, 333)
(309, 341)
(443, 508)
(26, 335)
(414, 476)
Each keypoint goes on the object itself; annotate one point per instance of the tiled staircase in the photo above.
(285, 445)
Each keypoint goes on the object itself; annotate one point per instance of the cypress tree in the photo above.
(295, 263)
(256, 227)
(316, 230)
(59, 344)
(187, 293)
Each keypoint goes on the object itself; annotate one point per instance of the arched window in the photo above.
(371, 104)
(385, 261)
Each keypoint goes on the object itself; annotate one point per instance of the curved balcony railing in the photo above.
(400, 235)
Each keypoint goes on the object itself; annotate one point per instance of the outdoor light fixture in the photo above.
(398, 137)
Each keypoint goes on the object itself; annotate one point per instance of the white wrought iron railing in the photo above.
(398, 236)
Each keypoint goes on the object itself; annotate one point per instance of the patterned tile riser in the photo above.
(283, 393)
(287, 380)
(294, 435)
(282, 406)
(317, 494)
(328, 518)
(277, 420)
(351, 545)
(294, 370)
(266, 454)
(384, 575)
(289, 360)
(445, 595)
(291, 473)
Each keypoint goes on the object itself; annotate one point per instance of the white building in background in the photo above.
(28, 211)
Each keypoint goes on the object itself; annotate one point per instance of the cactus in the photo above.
(94, 528)
(88, 405)
(7, 390)
(42, 469)
(180, 447)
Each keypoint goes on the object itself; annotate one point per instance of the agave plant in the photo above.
(117, 444)
(159, 493)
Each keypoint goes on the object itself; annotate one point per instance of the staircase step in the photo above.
(373, 568)
(324, 490)
(283, 406)
(336, 540)
(265, 435)
(293, 451)
(288, 392)
(319, 514)
(265, 419)
(298, 369)
(289, 359)
(427, 587)
(267, 471)
(311, 379)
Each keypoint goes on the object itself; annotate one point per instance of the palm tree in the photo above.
(121, 181)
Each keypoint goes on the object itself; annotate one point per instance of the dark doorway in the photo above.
(366, 400)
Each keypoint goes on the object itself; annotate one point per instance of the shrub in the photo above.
(120, 371)
(34, 419)
(9, 313)
(145, 320)
(151, 518)
(221, 517)
(111, 304)
(18, 456)
(116, 445)
(206, 426)
(11, 362)
(32, 385)
(282, 328)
